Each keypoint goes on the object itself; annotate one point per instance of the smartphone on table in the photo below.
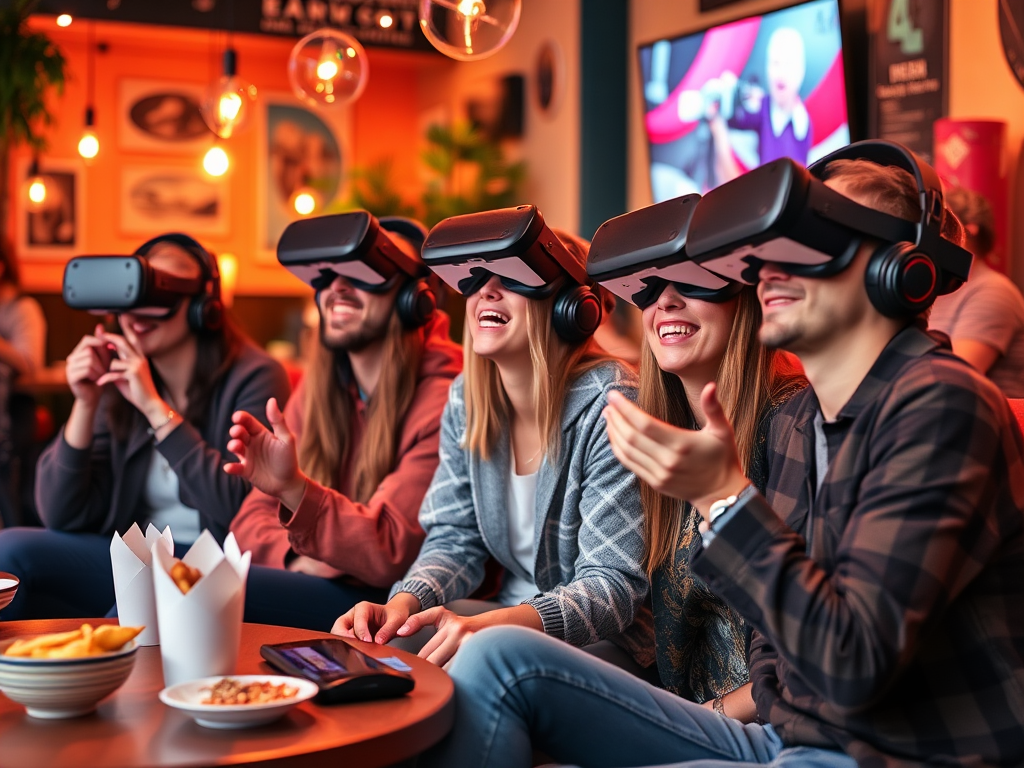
(343, 673)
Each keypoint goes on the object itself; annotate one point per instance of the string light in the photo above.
(64, 20)
(216, 161)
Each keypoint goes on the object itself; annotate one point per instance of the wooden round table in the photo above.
(133, 729)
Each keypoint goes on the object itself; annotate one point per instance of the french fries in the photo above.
(184, 576)
(84, 641)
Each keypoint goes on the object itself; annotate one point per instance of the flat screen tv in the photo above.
(723, 101)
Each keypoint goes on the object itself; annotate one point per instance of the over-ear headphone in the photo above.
(903, 279)
(205, 310)
(416, 301)
(576, 313)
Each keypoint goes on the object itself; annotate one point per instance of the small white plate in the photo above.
(188, 697)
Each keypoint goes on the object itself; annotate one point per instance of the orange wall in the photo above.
(384, 122)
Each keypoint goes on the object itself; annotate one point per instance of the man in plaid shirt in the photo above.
(884, 569)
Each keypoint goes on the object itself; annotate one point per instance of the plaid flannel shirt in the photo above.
(890, 619)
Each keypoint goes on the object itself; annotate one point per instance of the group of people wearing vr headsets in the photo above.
(719, 559)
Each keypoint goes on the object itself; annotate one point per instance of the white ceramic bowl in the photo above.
(52, 689)
(188, 697)
(8, 588)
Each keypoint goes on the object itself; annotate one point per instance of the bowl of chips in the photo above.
(8, 588)
(66, 674)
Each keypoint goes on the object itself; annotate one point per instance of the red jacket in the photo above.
(373, 542)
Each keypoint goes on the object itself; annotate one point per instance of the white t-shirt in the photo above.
(164, 503)
(522, 513)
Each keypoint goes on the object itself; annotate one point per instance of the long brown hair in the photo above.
(330, 406)
(751, 378)
(216, 352)
(555, 363)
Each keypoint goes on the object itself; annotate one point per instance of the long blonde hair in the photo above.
(750, 378)
(555, 364)
(329, 412)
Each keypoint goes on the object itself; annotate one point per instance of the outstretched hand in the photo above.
(696, 466)
(266, 459)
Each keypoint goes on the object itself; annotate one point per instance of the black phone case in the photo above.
(375, 681)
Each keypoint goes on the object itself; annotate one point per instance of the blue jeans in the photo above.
(518, 690)
(288, 599)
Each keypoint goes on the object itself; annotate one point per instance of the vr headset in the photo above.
(358, 247)
(352, 245)
(515, 245)
(785, 214)
(115, 284)
(637, 255)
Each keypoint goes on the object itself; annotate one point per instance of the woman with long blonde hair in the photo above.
(527, 476)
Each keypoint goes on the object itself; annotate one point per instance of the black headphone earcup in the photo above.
(415, 303)
(901, 281)
(576, 313)
(205, 314)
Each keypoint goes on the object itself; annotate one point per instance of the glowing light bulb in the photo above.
(229, 100)
(385, 20)
(469, 29)
(37, 191)
(216, 161)
(304, 202)
(89, 145)
(328, 68)
(64, 20)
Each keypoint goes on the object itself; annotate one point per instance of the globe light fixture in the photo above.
(216, 161)
(469, 29)
(228, 101)
(64, 20)
(89, 144)
(305, 201)
(35, 188)
(328, 68)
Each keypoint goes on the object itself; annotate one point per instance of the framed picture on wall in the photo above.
(172, 198)
(304, 156)
(51, 226)
(161, 116)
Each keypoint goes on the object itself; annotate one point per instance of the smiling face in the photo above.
(496, 319)
(352, 319)
(155, 337)
(804, 315)
(688, 336)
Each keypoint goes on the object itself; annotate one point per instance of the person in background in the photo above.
(144, 443)
(985, 318)
(22, 353)
(332, 518)
(526, 476)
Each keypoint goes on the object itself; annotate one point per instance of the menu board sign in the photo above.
(909, 42)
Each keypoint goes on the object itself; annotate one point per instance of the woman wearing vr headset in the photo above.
(145, 440)
(526, 475)
(692, 335)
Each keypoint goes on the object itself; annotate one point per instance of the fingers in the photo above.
(343, 625)
(441, 647)
(240, 433)
(416, 622)
(362, 614)
(111, 378)
(276, 420)
(717, 421)
(246, 422)
(393, 623)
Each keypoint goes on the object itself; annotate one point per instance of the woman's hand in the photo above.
(696, 466)
(267, 459)
(377, 623)
(86, 364)
(452, 631)
(129, 371)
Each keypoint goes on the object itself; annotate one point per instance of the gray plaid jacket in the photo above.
(588, 532)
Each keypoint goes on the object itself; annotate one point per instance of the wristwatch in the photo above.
(720, 507)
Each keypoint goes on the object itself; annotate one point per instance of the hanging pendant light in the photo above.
(328, 68)
(229, 100)
(89, 144)
(216, 161)
(35, 188)
(469, 29)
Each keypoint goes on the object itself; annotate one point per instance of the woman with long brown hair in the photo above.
(526, 474)
(144, 443)
(339, 482)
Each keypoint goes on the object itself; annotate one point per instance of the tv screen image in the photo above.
(736, 96)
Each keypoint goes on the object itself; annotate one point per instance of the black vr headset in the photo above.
(116, 284)
(638, 254)
(357, 247)
(515, 245)
(785, 214)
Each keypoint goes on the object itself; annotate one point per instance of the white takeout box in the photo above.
(200, 631)
(131, 559)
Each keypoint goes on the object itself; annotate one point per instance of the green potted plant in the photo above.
(30, 64)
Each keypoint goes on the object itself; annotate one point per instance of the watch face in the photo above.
(1011, 28)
